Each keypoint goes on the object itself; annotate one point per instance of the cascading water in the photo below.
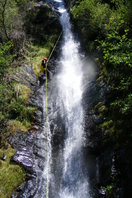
(68, 175)
(74, 179)
(59, 164)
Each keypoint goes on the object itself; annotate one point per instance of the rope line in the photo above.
(47, 130)
(47, 146)
(54, 48)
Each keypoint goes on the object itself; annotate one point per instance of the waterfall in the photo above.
(69, 81)
(67, 167)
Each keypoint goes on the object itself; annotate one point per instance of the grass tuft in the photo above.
(36, 52)
(14, 126)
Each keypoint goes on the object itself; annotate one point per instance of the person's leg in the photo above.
(44, 72)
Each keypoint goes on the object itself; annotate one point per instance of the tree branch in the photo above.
(3, 18)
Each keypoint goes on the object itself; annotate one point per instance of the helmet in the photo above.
(46, 59)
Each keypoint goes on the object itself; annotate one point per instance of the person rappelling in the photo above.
(44, 64)
(43, 76)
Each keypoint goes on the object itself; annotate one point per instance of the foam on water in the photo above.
(75, 182)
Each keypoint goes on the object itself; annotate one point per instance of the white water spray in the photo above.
(75, 183)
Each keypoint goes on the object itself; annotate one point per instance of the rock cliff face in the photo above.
(41, 24)
(42, 21)
(30, 149)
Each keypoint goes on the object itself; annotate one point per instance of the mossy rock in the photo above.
(11, 174)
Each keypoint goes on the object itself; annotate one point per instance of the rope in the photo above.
(47, 131)
(54, 48)
(47, 147)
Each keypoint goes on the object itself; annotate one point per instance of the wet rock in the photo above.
(29, 187)
(25, 161)
(27, 77)
(23, 143)
(35, 127)
(21, 187)
(41, 165)
(39, 116)
(102, 191)
(14, 195)
(3, 157)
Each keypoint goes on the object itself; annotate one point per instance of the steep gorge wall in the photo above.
(23, 115)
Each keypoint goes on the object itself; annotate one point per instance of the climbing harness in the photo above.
(47, 128)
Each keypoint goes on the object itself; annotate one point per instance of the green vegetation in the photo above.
(35, 52)
(11, 175)
(13, 95)
(27, 40)
(28, 32)
(15, 114)
(105, 28)
(110, 190)
(90, 18)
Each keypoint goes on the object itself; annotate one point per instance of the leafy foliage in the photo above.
(105, 27)
(90, 18)
(5, 58)
(117, 53)
(117, 45)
